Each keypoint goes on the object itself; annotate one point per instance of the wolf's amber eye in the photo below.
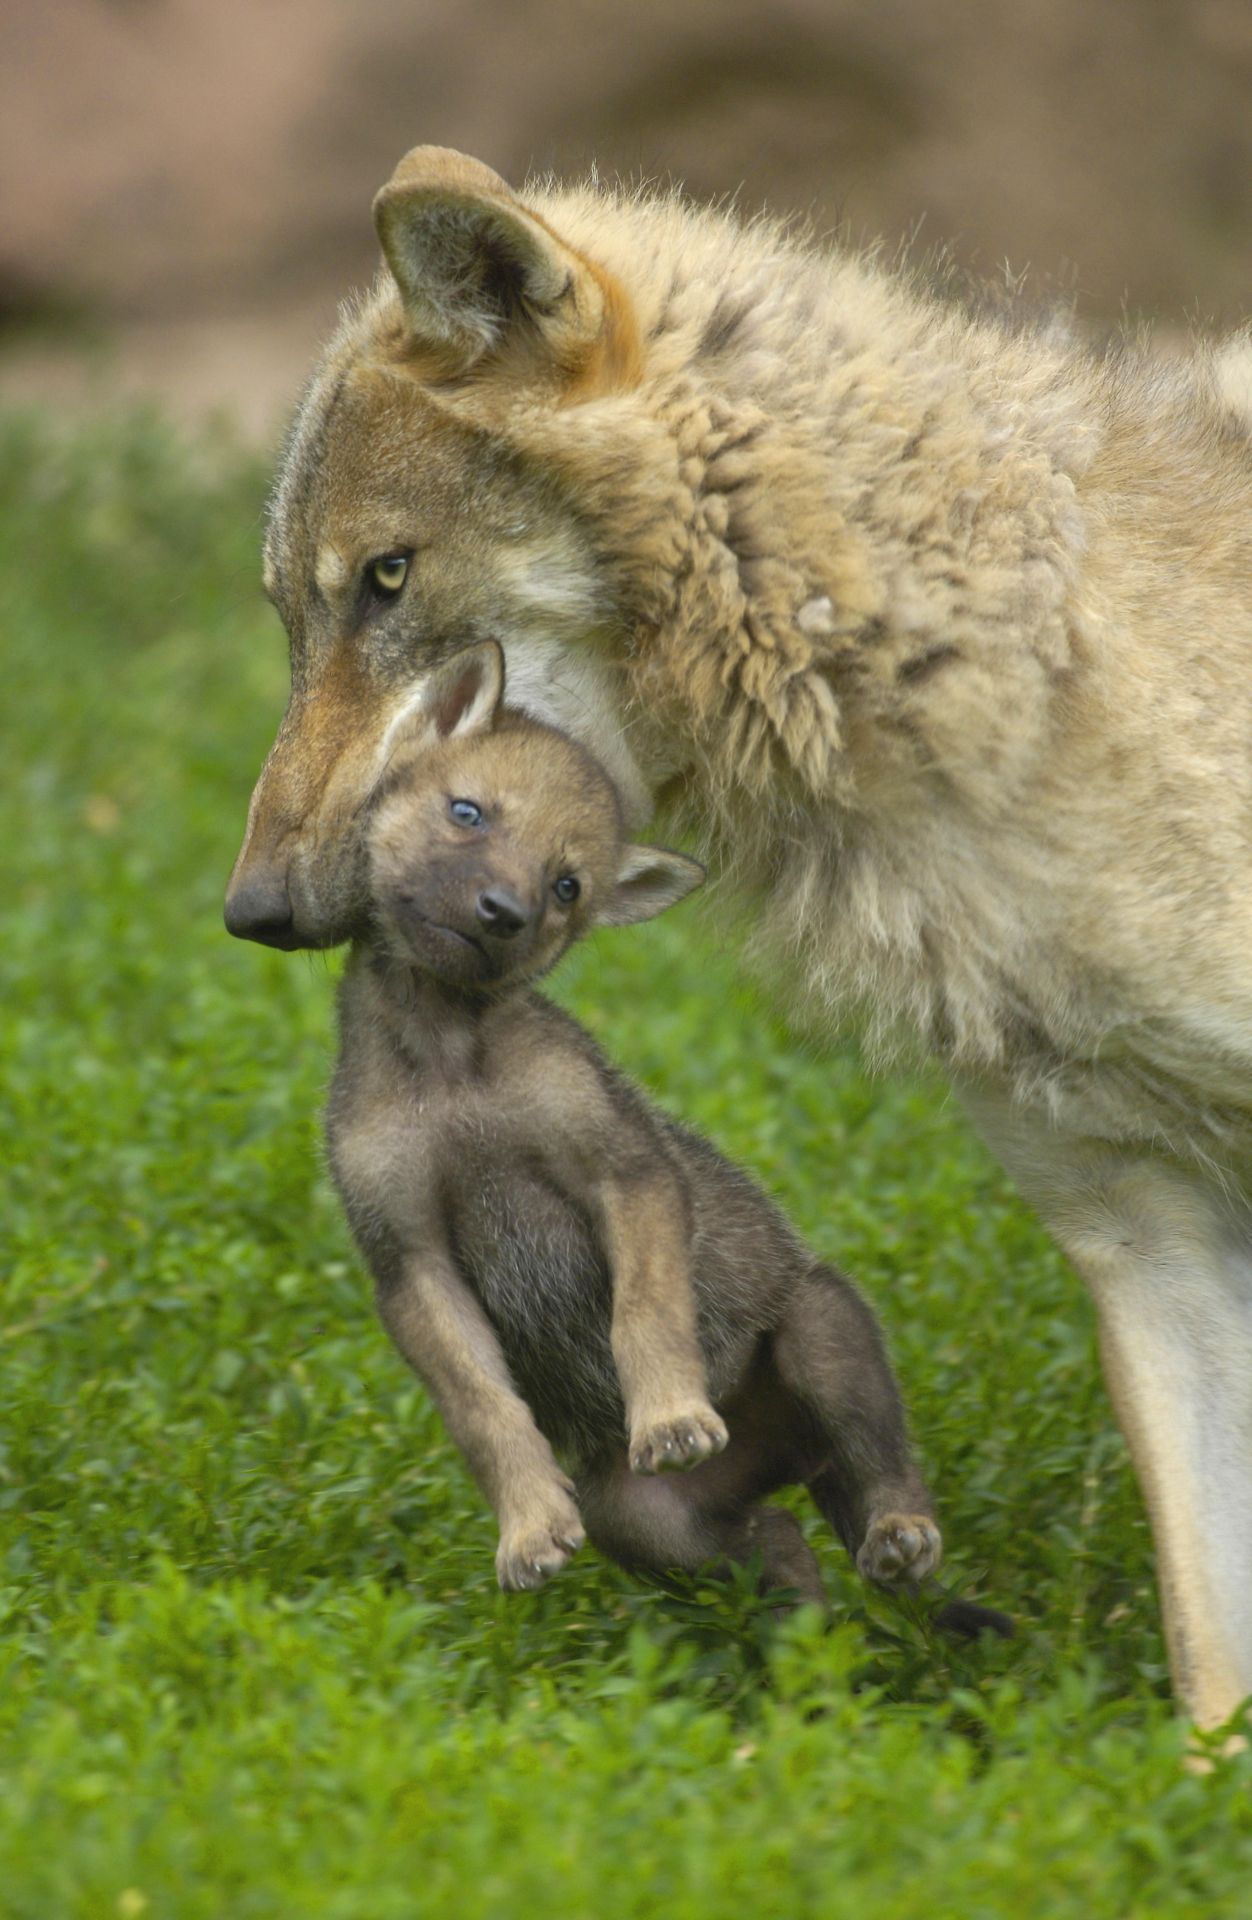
(566, 889)
(389, 574)
(465, 813)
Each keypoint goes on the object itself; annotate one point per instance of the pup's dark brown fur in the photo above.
(576, 1277)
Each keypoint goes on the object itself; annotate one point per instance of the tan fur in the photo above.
(935, 631)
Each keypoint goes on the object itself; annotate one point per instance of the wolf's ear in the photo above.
(648, 880)
(476, 269)
(461, 696)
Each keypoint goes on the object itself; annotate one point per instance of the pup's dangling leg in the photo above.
(684, 1524)
(830, 1355)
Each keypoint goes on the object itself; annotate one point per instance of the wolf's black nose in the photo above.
(259, 909)
(501, 913)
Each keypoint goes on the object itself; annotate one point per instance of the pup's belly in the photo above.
(535, 1265)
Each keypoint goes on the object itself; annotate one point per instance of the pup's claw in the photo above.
(899, 1548)
(682, 1441)
(531, 1551)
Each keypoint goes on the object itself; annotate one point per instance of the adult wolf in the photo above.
(938, 634)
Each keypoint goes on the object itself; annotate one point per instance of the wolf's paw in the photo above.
(681, 1441)
(538, 1542)
(900, 1547)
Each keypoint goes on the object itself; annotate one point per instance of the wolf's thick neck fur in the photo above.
(893, 565)
(876, 576)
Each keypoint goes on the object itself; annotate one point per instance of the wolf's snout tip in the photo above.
(261, 910)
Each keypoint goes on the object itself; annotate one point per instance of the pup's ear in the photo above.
(464, 694)
(648, 880)
(461, 696)
(475, 268)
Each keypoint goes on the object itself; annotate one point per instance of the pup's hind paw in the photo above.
(900, 1547)
(682, 1441)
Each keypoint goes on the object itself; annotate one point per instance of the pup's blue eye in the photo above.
(465, 813)
(566, 889)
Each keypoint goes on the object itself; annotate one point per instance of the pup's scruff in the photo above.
(571, 1272)
(936, 627)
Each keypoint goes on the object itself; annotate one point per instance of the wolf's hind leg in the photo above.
(1168, 1261)
(829, 1354)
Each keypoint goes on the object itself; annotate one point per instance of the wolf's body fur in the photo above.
(566, 1267)
(936, 631)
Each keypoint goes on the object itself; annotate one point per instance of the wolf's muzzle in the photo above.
(259, 908)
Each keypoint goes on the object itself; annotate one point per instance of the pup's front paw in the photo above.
(538, 1542)
(900, 1547)
(682, 1440)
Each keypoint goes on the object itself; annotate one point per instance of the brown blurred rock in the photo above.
(175, 162)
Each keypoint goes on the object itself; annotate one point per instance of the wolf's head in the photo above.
(494, 842)
(413, 517)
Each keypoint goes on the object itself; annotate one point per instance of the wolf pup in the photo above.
(575, 1276)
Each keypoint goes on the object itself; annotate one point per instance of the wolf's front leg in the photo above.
(656, 1343)
(447, 1339)
(1168, 1260)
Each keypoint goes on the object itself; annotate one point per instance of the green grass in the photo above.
(252, 1659)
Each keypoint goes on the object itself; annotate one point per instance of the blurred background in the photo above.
(185, 184)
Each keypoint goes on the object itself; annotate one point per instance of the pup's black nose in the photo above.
(501, 913)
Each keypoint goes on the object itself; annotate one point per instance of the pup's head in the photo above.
(495, 842)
